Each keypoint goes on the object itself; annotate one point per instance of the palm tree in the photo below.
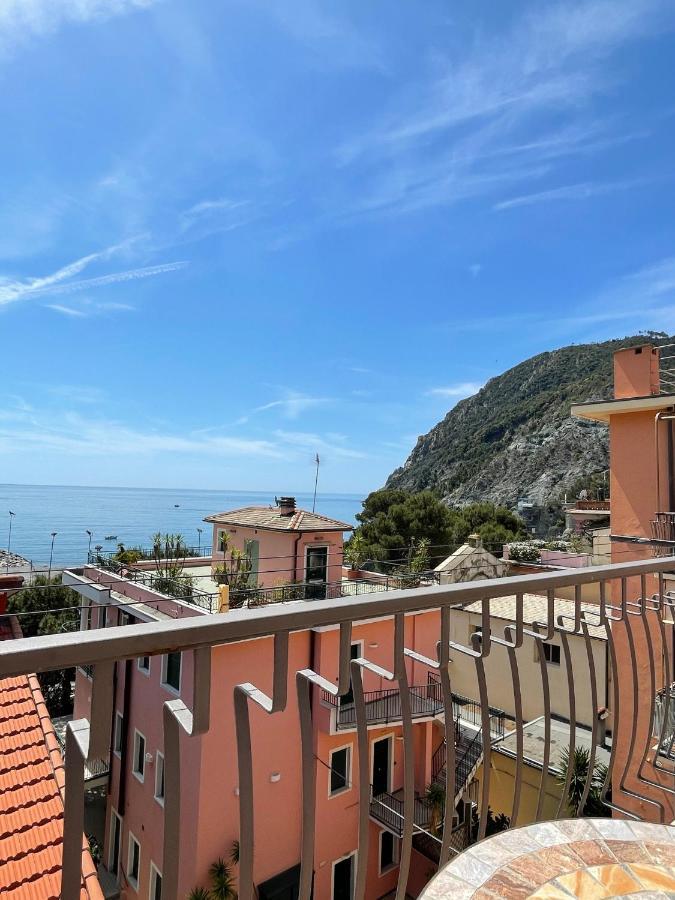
(199, 893)
(222, 882)
(435, 796)
(234, 853)
(581, 761)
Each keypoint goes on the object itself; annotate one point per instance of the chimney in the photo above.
(475, 540)
(636, 372)
(286, 506)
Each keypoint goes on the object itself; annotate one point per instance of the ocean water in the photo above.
(132, 514)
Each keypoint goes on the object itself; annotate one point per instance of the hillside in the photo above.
(515, 437)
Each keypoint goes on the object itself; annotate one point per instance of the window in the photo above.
(343, 878)
(552, 654)
(118, 737)
(133, 861)
(159, 778)
(103, 617)
(222, 540)
(139, 756)
(144, 664)
(155, 883)
(171, 664)
(388, 851)
(115, 842)
(127, 619)
(340, 775)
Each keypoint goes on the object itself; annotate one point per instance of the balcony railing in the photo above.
(383, 707)
(389, 810)
(629, 598)
(664, 721)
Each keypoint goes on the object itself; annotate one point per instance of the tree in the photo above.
(32, 605)
(222, 881)
(493, 825)
(391, 520)
(236, 571)
(435, 796)
(594, 806)
(169, 552)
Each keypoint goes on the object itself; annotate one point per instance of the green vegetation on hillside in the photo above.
(515, 437)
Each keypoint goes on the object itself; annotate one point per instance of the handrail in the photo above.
(385, 705)
(268, 688)
(49, 652)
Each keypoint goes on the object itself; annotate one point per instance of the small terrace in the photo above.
(628, 595)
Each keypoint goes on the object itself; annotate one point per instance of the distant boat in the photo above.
(111, 537)
(176, 504)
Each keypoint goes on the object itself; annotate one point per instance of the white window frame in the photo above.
(139, 776)
(115, 816)
(383, 737)
(396, 854)
(118, 732)
(163, 681)
(154, 872)
(320, 545)
(350, 756)
(159, 756)
(140, 668)
(133, 881)
(353, 854)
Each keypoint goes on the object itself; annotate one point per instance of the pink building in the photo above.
(308, 548)
(298, 546)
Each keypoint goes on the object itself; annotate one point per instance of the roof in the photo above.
(269, 517)
(471, 556)
(32, 779)
(534, 743)
(601, 410)
(535, 608)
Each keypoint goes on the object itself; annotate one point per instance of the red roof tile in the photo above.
(270, 518)
(31, 803)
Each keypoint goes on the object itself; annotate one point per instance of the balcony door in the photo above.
(381, 776)
(316, 572)
(343, 878)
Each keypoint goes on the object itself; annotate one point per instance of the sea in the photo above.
(127, 515)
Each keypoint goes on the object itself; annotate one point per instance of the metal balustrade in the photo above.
(383, 707)
(633, 609)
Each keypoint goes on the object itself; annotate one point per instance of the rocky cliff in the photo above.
(515, 438)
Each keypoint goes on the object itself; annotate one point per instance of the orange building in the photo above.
(641, 420)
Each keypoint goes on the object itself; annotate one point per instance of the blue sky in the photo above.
(234, 233)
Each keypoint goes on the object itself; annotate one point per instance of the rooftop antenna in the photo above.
(316, 479)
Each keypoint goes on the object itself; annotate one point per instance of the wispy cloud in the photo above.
(331, 444)
(291, 406)
(64, 280)
(582, 191)
(20, 19)
(482, 121)
(456, 391)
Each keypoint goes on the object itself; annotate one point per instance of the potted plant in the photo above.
(354, 555)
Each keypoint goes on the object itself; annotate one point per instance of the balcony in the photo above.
(281, 686)
(384, 707)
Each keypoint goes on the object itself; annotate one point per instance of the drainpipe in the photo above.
(126, 707)
(295, 557)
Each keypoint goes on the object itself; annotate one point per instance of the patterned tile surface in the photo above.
(587, 858)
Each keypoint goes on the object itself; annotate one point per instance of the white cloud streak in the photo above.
(456, 391)
(63, 281)
(582, 191)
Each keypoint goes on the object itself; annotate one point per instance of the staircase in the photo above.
(468, 757)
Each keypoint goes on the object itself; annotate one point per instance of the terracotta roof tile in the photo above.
(31, 803)
(269, 517)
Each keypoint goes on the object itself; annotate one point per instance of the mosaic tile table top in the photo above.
(589, 858)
